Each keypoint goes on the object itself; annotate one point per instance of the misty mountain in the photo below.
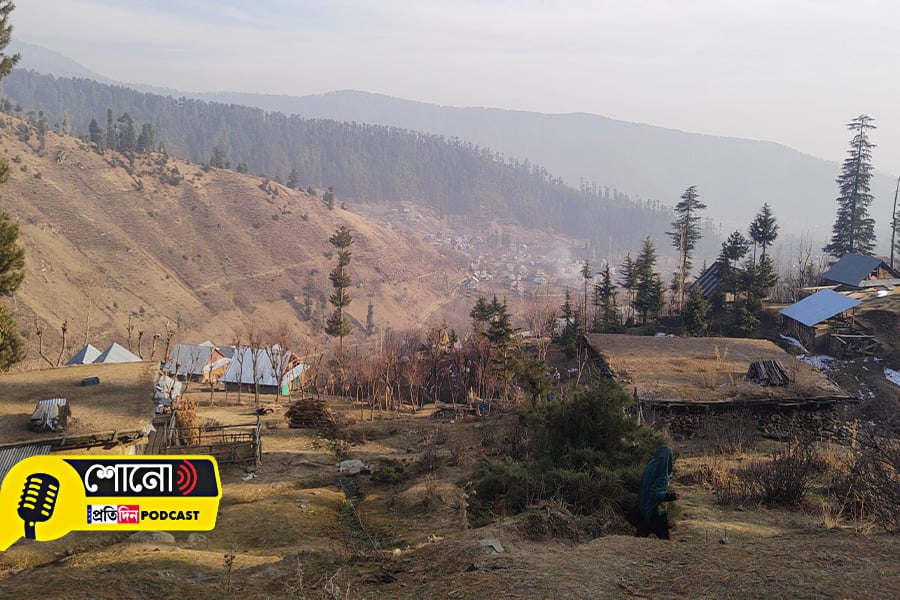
(734, 176)
(362, 162)
(43, 60)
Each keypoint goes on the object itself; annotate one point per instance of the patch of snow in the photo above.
(794, 342)
(892, 376)
(820, 361)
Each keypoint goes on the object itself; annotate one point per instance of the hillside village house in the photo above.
(201, 362)
(274, 370)
(111, 415)
(855, 272)
(816, 316)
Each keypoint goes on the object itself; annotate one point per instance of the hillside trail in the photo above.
(439, 303)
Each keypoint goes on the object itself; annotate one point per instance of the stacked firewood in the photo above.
(768, 372)
(309, 412)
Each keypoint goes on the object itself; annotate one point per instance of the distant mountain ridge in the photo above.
(734, 176)
(362, 162)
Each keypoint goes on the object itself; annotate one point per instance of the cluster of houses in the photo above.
(824, 318)
(273, 369)
(101, 401)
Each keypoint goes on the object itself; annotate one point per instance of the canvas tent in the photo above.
(116, 354)
(85, 356)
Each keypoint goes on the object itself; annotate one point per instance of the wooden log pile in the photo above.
(768, 372)
(309, 412)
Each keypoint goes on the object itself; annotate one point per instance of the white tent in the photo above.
(85, 356)
(117, 354)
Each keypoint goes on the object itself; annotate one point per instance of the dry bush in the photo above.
(714, 473)
(711, 372)
(186, 420)
(784, 480)
(867, 486)
(551, 519)
(729, 433)
(430, 460)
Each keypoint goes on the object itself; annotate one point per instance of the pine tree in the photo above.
(605, 301)
(12, 254)
(217, 158)
(337, 324)
(145, 142)
(8, 61)
(95, 133)
(569, 333)
(586, 276)
(110, 130)
(629, 281)
(763, 229)
(293, 180)
(854, 229)
(480, 314)
(685, 236)
(734, 249)
(649, 294)
(694, 316)
(370, 318)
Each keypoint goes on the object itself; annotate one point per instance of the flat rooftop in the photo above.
(683, 370)
(122, 401)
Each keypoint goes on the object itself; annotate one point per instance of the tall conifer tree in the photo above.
(685, 236)
(12, 254)
(337, 324)
(854, 229)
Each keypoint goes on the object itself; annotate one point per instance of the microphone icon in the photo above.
(38, 500)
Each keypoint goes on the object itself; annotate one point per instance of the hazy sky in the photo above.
(790, 71)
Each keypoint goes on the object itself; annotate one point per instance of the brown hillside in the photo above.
(108, 244)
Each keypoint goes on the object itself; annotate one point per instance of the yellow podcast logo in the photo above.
(45, 497)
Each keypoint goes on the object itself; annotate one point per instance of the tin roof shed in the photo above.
(822, 305)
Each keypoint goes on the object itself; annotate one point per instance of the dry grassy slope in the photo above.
(215, 251)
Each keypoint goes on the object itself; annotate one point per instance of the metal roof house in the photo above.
(855, 272)
(267, 367)
(201, 362)
(710, 280)
(805, 316)
(113, 417)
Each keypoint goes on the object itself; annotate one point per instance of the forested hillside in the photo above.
(734, 176)
(119, 246)
(360, 162)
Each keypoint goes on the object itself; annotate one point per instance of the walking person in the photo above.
(650, 515)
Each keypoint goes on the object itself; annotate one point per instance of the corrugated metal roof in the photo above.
(822, 305)
(710, 279)
(851, 269)
(240, 370)
(190, 359)
(10, 456)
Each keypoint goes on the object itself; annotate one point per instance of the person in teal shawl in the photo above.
(650, 515)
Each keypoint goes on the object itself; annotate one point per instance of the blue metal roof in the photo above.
(852, 269)
(822, 305)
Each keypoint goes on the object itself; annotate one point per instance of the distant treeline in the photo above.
(359, 161)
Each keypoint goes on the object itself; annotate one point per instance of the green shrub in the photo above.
(584, 453)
